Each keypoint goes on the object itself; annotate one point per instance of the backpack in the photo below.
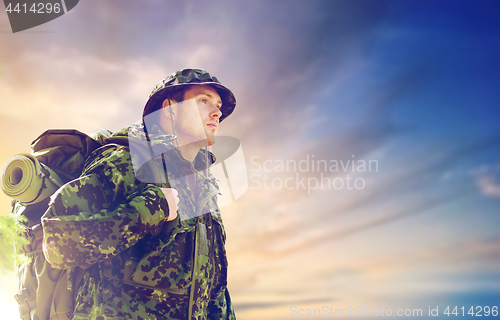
(58, 156)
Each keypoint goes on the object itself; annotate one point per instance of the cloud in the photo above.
(277, 228)
(488, 180)
(489, 186)
(262, 305)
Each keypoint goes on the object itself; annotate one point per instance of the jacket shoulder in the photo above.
(113, 164)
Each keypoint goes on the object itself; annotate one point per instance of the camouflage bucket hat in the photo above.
(190, 77)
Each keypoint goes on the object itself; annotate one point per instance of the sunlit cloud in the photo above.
(487, 179)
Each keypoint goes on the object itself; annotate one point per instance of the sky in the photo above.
(410, 87)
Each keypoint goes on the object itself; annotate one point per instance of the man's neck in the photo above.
(189, 151)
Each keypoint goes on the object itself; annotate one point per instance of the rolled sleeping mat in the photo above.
(27, 180)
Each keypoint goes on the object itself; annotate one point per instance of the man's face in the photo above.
(198, 115)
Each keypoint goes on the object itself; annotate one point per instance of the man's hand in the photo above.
(172, 199)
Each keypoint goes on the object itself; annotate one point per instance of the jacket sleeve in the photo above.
(102, 213)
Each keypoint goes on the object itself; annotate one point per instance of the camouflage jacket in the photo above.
(111, 222)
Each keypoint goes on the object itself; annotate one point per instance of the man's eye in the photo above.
(204, 101)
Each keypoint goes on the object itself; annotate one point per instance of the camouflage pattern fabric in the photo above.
(139, 266)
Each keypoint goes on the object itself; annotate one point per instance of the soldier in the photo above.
(150, 246)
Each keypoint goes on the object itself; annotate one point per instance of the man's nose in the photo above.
(216, 113)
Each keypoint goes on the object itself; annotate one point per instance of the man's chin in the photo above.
(211, 139)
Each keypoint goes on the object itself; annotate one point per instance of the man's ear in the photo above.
(166, 108)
